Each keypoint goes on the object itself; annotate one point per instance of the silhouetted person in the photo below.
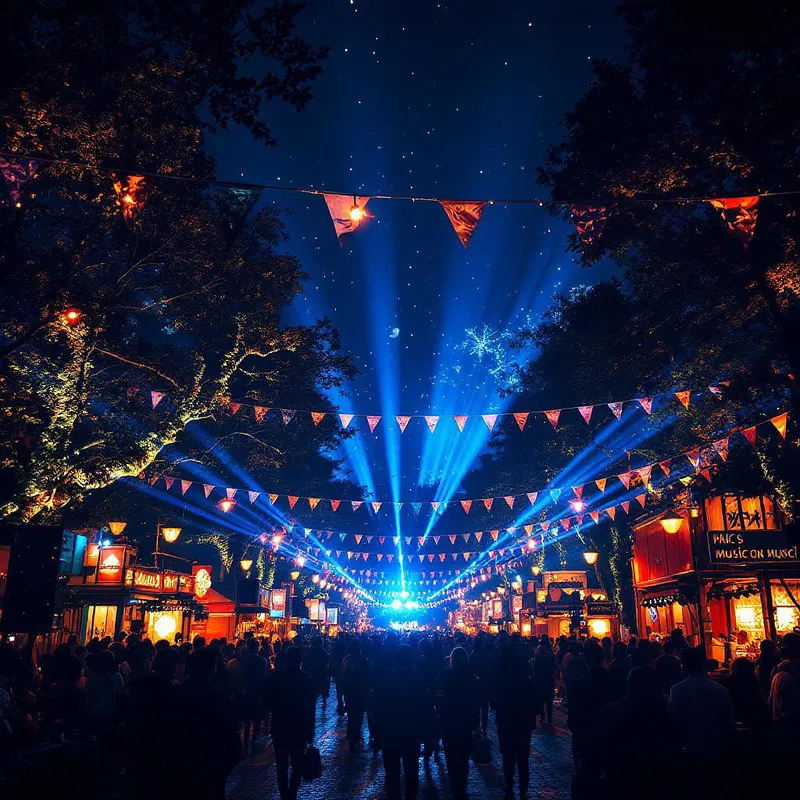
(572, 667)
(207, 746)
(767, 660)
(402, 714)
(749, 705)
(481, 664)
(458, 704)
(545, 671)
(356, 685)
(316, 664)
(784, 696)
(513, 697)
(668, 668)
(292, 700)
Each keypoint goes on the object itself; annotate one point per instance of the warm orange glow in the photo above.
(536, 570)
(171, 532)
(276, 540)
(590, 557)
(128, 199)
(226, 504)
(531, 544)
(294, 574)
(315, 579)
(356, 213)
(671, 523)
(246, 564)
(117, 527)
(72, 316)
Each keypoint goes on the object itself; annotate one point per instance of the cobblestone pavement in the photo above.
(361, 775)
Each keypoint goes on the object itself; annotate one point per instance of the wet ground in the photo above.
(361, 775)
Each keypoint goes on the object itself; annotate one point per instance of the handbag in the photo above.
(312, 764)
(480, 750)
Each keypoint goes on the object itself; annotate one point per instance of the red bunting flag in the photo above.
(780, 423)
(589, 222)
(683, 397)
(750, 435)
(234, 407)
(432, 423)
(373, 421)
(292, 501)
(317, 416)
(168, 481)
(532, 497)
(260, 412)
(706, 473)
(644, 473)
(347, 212)
(487, 501)
(464, 217)
(185, 485)
(553, 416)
(739, 214)
(402, 421)
(625, 477)
(694, 457)
(600, 483)
(578, 491)
(130, 191)
(616, 409)
(646, 403)
(490, 420)
(156, 398)
(565, 523)
(17, 172)
(665, 467)
(460, 421)
(335, 504)
(721, 446)
(521, 418)
(207, 489)
(626, 506)
(641, 499)
(346, 419)
(509, 498)
(586, 413)
(595, 515)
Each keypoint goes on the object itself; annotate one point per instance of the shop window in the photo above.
(749, 622)
(101, 622)
(787, 615)
(733, 513)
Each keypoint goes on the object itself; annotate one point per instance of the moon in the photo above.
(394, 333)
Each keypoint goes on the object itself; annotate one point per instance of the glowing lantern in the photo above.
(226, 504)
(590, 557)
(315, 579)
(536, 570)
(671, 523)
(246, 564)
(117, 527)
(170, 531)
(276, 540)
(294, 574)
(356, 212)
(165, 626)
(300, 561)
(72, 316)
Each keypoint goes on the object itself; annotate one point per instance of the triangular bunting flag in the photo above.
(750, 435)
(589, 221)
(466, 505)
(376, 506)
(185, 485)
(356, 504)
(335, 504)
(168, 481)
(684, 397)
(552, 417)
(287, 415)
(780, 423)
(230, 493)
(521, 418)
(625, 478)
(156, 398)
(611, 511)
(17, 172)
(273, 499)
(509, 498)
(207, 489)
(402, 421)
(721, 446)
(460, 421)
(372, 421)
(532, 497)
(234, 408)
(644, 473)
(600, 483)
(260, 412)
(490, 420)
(626, 506)
(641, 499)
(578, 491)
(346, 419)
(416, 507)
(317, 416)
(586, 413)
(739, 214)
(665, 467)
(346, 212)
(234, 204)
(252, 497)
(478, 536)
(435, 505)
(464, 217)
(555, 494)
(313, 502)
(706, 473)
(616, 409)
(432, 423)
(292, 501)
(487, 501)
(595, 515)
(694, 457)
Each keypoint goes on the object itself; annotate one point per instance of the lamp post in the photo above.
(170, 531)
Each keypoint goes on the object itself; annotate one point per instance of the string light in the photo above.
(226, 504)
(356, 212)
(72, 316)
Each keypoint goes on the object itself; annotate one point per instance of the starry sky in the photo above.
(457, 100)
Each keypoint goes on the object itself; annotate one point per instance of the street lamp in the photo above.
(671, 523)
(536, 570)
(590, 557)
(170, 531)
(117, 527)
(294, 574)
(246, 564)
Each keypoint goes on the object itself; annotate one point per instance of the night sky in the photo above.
(457, 100)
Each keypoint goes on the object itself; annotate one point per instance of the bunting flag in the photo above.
(616, 409)
(432, 423)
(230, 493)
(612, 512)
(273, 498)
(641, 499)
(346, 419)
(586, 413)
(376, 506)
(185, 485)
(156, 398)
(341, 208)
(578, 490)
(416, 507)
(694, 457)
(555, 494)
(521, 418)
(234, 204)
(317, 416)
(626, 506)
(589, 221)
(750, 435)
(464, 217)
(169, 481)
(488, 501)
(460, 421)
(356, 504)
(402, 421)
(287, 415)
(601, 484)
(780, 423)
(260, 412)
(532, 497)
(683, 397)
(739, 214)
(665, 467)
(313, 502)
(130, 191)
(373, 421)
(252, 497)
(644, 473)
(207, 489)
(509, 500)
(721, 446)
(490, 420)
(292, 501)
(234, 408)
(435, 505)
(552, 417)
(17, 173)
(595, 515)
(646, 403)
(625, 477)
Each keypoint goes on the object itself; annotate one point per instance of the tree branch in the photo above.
(141, 366)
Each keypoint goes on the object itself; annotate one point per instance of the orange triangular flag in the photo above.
(466, 505)
(487, 501)
(706, 473)
(601, 484)
(780, 423)
(694, 457)
(317, 416)
(402, 421)
(460, 421)
(509, 498)
(234, 407)
(684, 397)
(641, 499)
(185, 486)
(521, 417)
(341, 206)
(625, 477)
(376, 506)
(665, 467)
(464, 217)
(739, 214)
(273, 498)
(259, 412)
(595, 515)
(372, 421)
(611, 511)
(552, 417)
(750, 435)
(432, 423)
(644, 473)
(313, 502)
(646, 403)
(586, 413)
(721, 446)
(490, 420)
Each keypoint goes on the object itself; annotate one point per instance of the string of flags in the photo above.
(553, 416)
(697, 457)
(348, 211)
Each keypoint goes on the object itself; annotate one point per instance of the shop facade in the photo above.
(722, 571)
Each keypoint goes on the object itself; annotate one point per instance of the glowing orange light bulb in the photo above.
(227, 504)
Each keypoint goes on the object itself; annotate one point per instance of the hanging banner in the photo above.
(130, 191)
(234, 204)
(464, 217)
(347, 212)
(17, 173)
(589, 222)
(739, 214)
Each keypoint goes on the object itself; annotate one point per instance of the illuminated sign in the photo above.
(170, 582)
(743, 546)
(332, 615)
(91, 555)
(202, 580)
(516, 604)
(313, 610)
(277, 603)
(147, 580)
(109, 568)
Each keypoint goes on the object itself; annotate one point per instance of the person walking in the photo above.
(402, 713)
(356, 686)
(481, 665)
(458, 704)
(291, 698)
(317, 664)
(513, 697)
(545, 671)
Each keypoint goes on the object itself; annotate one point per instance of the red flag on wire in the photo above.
(586, 413)
(589, 222)
(130, 191)
(739, 214)
(347, 212)
(464, 217)
(521, 418)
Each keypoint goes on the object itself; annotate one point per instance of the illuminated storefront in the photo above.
(726, 576)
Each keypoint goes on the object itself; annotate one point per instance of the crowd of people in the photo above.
(636, 709)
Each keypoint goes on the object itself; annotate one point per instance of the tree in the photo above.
(164, 299)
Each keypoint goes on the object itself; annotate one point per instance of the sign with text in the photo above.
(147, 580)
(752, 547)
(202, 580)
(277, 603)
(109, 565)
(332, 615)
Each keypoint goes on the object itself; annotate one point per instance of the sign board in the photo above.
(332, 615)
(313, 609)
(750, 547)
(277, 603)
(109, 564)
(602, 608)
(516, 604)
(202, 580)
(145, 579)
